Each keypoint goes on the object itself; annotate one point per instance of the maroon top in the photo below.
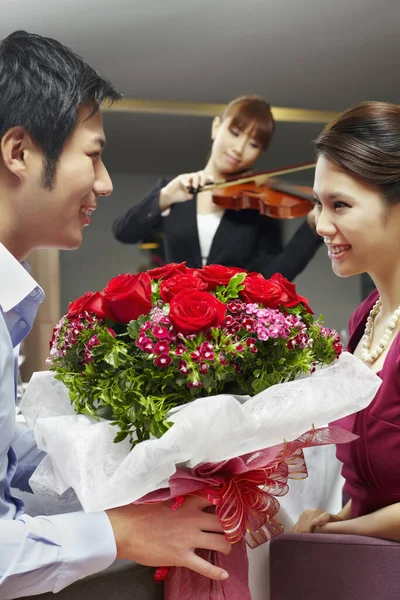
(371, 464)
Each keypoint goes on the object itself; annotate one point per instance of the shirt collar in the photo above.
(16, 281)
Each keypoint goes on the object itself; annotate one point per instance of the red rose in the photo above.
(215, 275)
(192, 272)
(167, 270)
(292, 297)
(263, 291)
(195, 311)
(128, 296)
(175, 284)
(91, 302)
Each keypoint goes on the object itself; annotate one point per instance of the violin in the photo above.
(263, 192)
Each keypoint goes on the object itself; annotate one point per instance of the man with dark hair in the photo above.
(51, 175)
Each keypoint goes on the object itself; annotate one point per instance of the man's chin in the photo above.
(72, 243)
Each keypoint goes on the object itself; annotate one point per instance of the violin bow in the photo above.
(259, 178)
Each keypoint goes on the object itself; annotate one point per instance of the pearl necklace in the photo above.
(366, 355)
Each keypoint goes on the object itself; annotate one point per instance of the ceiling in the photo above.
(310, 54)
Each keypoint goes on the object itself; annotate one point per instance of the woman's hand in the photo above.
(311, 521)
(182, 188)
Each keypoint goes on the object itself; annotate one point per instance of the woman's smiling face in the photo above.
(361, 230)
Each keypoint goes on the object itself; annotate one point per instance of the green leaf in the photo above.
(121, 435)
(133, 329)
(237, 280)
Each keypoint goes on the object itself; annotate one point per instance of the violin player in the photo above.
(198, 230)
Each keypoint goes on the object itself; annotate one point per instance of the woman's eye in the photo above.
(234, 132)
(340, 205)
(255, 145)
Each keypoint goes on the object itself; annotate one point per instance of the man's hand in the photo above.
(154, 535)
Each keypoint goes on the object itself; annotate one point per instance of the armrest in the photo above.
(333, 567)
(123, 580)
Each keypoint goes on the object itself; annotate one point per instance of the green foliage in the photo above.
(111, 376)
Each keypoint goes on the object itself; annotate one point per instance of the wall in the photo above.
(101, 257)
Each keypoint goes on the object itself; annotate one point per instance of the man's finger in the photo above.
(211, 523)
(213, 541)
(201, 566)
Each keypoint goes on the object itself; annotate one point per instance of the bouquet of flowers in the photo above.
(200, 375)
(156, 340)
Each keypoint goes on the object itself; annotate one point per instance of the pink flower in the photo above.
(204, 368)
(142, 341)
(222, 360)
(301, 340)
(235, 306)
(148, 347)
(94, 341)
(195, 384)
(206, 347)
(262, 333)
(338, 347)
(161, 333)
(249, 324)
(250, 342)
(229, 321)
(180, 349)
(163, 361)
(161, 348)
(183, 367)
(235, 327)
(252, 308)
(195, 356)
(275, 331)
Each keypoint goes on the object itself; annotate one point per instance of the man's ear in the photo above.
(16, 147)
(215, 127)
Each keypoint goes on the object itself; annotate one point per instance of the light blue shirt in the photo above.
(44, 553)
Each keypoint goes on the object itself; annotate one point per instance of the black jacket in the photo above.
(243, 239)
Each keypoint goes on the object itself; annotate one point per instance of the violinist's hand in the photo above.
(182, 188)
(311, 521)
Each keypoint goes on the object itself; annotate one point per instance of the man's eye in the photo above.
(317, 203)
(340, 205)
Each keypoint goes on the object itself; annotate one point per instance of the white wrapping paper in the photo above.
(82, 455)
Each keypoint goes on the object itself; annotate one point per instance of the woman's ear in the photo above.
(15, 144)
(215, 127)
